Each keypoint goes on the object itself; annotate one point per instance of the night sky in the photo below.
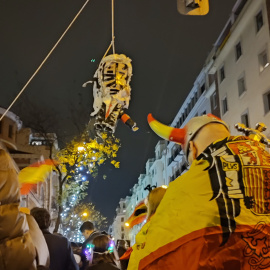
(167, 50)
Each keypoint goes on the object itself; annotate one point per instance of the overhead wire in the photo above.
(45, 59)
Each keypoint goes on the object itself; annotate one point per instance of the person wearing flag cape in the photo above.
(217, 214)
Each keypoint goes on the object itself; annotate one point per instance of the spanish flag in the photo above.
(138, 216)
(33, 174)
(215, 216)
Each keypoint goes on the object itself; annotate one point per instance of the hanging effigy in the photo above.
(111, 91)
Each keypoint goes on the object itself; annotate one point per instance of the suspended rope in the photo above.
(43, 62)
(113, 37)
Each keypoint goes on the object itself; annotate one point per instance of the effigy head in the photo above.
(114, 72)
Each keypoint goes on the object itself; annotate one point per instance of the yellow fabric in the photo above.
(33, 175)
(187, 207)
(136, 253)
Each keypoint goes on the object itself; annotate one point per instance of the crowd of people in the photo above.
(215, 216)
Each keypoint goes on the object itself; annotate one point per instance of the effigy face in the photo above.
(114, 76)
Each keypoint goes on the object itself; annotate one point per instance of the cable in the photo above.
(43, 62)
(113, 37)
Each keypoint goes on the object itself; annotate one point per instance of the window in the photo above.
(122, 236)
(122, 219)
(222, 73)
(214, 100)
(124, 205)
(193, 101)
(10, 131)
(186, 113)
(266, 102)
(259, 21)
(241, 86)
(196, 96)
(238, 50)
(122, 228)
(244, 119)
(263, 60)
(202, 88)
(224, 105)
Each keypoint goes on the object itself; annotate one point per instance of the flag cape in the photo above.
(138, 216)
(215, 215)
(33, 174)
(135, 255)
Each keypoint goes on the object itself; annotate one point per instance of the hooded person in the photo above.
(217, 214)
(17, 250)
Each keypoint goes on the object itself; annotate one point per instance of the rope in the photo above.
(43, 62)
(107, 50)
(113, 37)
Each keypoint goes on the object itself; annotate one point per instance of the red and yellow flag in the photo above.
(138, 216)
(34, 173)
(215, 216)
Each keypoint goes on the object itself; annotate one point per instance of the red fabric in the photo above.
(124, 118)
(137, 220)
(126, 255)
(247, 248)
(134, 220)
(26, 188)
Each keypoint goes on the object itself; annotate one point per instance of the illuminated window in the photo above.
(263, 60)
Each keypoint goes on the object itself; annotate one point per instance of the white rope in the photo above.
(43, 62)
(113, 37)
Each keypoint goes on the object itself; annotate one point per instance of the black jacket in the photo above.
(61, 254)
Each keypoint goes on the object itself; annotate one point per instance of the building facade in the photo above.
(26, 147)
(234, 84)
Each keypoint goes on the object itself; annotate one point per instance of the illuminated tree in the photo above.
(79, 159)
(77, 163)
(78, 214)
